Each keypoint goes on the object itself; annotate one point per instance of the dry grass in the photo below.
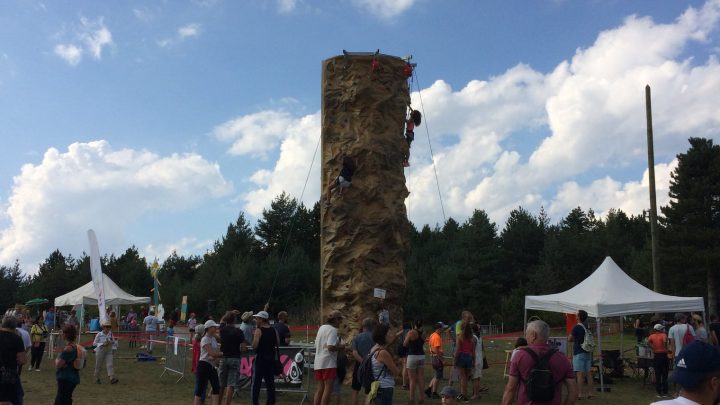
(140, 383)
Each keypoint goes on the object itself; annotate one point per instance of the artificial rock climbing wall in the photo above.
(365, 233)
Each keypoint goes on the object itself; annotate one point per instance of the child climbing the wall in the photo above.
(410, 124)
(343, 180)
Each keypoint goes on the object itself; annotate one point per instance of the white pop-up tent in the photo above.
(86, 295)
(609, 292)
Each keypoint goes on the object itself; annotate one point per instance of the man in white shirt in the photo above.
(676, 334)
(697, 372)
(151, 326)
(327, 345)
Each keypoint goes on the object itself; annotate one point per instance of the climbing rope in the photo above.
(292, 224)
(432, 156)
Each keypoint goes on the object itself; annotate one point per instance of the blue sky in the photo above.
(156, 123)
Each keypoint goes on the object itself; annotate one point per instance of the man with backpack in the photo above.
(680, 334)
(583, 347)
(538, 372)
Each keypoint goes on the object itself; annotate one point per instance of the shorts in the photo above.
(415, 361)
(465, 361)
(229, 370)
(439, 373)
(582, 362)
(340, 181)
(325, 374)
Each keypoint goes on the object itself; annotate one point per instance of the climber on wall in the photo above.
(413, 120)
(343, 180)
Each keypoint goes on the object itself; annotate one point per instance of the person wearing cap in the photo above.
(246, 326)
(448, 395)
(676, 334)
(327, 345)
(436, 355)
(206, 368)
(104, 345)
(265, 342)
(659, 344)
(697, 372)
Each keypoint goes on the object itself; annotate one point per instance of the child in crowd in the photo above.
(413, 120)
(171, 328)
(343, 180)
(192, 323)
(519, 344)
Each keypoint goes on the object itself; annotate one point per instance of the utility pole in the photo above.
(653, 199)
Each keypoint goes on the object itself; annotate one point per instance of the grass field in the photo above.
(140, 383)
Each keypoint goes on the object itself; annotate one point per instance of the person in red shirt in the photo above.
(658, 341)
(537, 334)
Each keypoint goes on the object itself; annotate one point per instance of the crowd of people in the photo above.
(381, 359)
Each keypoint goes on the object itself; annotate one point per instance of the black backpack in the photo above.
(365, 372)
(540, 385)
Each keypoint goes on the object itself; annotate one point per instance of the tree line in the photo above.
(473, 265)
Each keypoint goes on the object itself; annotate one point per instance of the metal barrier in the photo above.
(175, 356)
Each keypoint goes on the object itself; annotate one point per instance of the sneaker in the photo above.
(428, 392)
(37, 369)
(114, 381)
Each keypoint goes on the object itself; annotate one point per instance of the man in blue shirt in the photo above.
(361, 346)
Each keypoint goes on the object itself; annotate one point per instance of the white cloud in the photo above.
(526, 137)
(384, 8)
(287, 6)
(300, 137)
(186, 244)
(91, 185)
(69, 53)
(191, 30)
(523, 134)
(607, 193)
(254, 134)
(143, 14)
(90, 37)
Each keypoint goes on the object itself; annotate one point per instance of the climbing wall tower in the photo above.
(365, 233)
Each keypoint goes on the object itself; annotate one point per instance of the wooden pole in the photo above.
(653, 200)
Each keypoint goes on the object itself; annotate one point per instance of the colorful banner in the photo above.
(96, 273)
(293, 359)
(183, 308)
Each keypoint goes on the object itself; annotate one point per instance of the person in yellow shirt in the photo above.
(658, 341)
(38, 337)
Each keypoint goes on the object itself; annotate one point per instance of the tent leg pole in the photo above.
(525, 321)
(622, 332)
(600, 367)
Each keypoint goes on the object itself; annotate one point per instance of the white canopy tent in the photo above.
(85, 295)
(609, 292)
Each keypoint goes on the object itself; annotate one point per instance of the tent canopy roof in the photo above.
(608, 291)
(114, 295)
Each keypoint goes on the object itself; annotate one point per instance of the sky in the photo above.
(156, 123)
